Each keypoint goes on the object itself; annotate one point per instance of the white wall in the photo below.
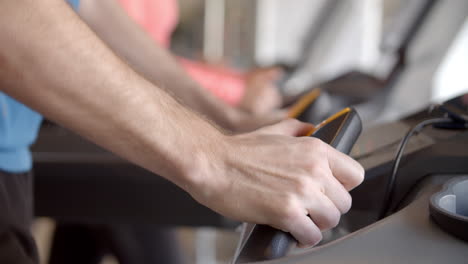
(280, 28)
(452, 77)
(351, 39)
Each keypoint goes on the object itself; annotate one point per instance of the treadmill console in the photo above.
(429, 218)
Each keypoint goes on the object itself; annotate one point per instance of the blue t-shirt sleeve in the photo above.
(74, 3)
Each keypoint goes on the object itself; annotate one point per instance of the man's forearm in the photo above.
(129, 41)
(52, 62)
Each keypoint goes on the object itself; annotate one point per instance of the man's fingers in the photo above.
(345, 169)
(289, 127)
(323, 212)
(304, 230)
(337, 193)
(306, 225)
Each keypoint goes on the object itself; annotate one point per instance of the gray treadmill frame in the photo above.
(408, 236)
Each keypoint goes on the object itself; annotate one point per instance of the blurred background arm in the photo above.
(154, 62)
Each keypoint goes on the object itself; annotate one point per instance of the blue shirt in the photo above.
(74, 3)
(19, 126)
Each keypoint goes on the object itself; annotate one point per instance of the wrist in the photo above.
(199, 163)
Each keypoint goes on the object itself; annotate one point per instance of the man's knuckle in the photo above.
(334, 219)
(314, 153)
(331, 219)
(318, 177)
(314, 145)
(360, 176)
(289, 209)
(346, 204)
(303, 186)
(356, 180)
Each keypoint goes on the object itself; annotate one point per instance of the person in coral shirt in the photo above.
(253, 91)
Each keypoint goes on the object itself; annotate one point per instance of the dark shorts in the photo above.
(16, 211)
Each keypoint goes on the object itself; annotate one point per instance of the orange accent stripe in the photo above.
(300, 106)
(329, 120)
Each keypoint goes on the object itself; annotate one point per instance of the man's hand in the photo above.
(271, 176)
(261, 95)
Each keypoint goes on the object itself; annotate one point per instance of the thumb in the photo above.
(289, 127)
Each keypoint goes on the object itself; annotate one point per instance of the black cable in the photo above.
(389, 192)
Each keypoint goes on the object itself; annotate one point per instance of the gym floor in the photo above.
(201, 245)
